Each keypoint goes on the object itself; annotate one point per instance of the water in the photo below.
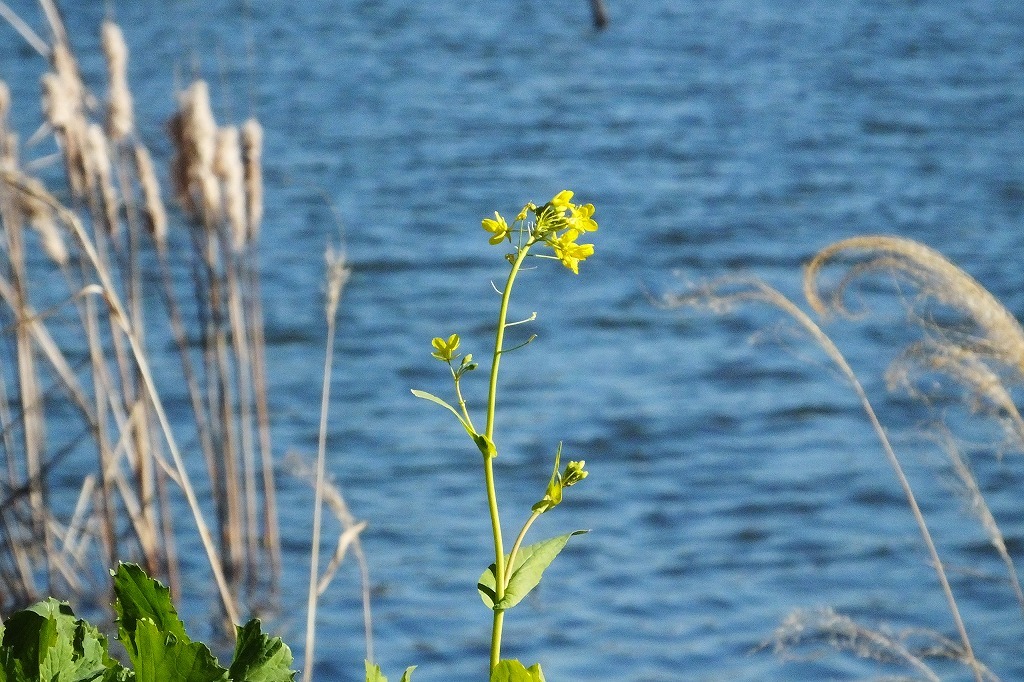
(730, 483)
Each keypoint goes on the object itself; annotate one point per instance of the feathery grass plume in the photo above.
(726, 293)
(910, 647)
(120, 116)
(99, 162)
(153, 204)
(228, 167)
(252, 157)
(965, 366)
(1000, 336)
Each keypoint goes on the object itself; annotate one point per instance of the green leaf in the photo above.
(47, 642)
(514, 671)
(259, 658)
(434, 399)
(407, 675)
(531, 562)
(373, 673)
(162, 657)
(141, 597)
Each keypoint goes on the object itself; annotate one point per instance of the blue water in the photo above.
(730, 482)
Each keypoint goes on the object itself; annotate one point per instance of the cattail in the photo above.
(99, 163)
(154, 205)
(66, 68)
(120, 118)
(199, 134)
(62, 113)
(252, 158)
(39, 215)
(228, 167)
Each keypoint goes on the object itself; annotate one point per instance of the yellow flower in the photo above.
(444, 350)
(569, 252)
(498, 227)
(526, 209)
(582, 217)
(560, 202)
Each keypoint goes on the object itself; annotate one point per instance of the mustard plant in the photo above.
(550, 231)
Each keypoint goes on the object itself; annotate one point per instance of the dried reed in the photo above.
(727, 293)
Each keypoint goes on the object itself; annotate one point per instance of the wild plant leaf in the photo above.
(141, 597)
(161, 657)
(434, 399)
(531, 562)
(47, 642)
(373, 673)
(514, 671)
(407, 675)
(258, 657)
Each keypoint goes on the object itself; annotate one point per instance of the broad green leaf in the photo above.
(47, 642)
(514, 671)
(407, 675)
(531, 562)
(259, 658)
(162, 657)
(141, 597)
(434, 399)
(486, 446)
(373, 673)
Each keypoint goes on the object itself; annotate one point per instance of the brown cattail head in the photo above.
(120, 116)
(252, 157)
(154, 205)
(228, 167)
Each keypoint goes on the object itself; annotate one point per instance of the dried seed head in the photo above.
(120, 117)
(66, 68)
(99, 163)
(252, 156)
(154, 205)
(199, 134)
(40, 216)
(228, 166)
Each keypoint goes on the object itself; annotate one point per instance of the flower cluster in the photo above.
(559, 223)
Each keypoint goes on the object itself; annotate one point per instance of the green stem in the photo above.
(492, 497)
(515, 547)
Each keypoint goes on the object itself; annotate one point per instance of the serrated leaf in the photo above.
(259, 658)
(47, 642)
(141, 597)
(531, 562)
(514, 671)
(373, 673)
(434, 399)
(161, 657)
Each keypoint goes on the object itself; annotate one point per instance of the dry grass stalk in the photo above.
(980, 509)
(337, 276)
(727, 293)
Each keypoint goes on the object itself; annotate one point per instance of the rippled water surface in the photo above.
(730, 482)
